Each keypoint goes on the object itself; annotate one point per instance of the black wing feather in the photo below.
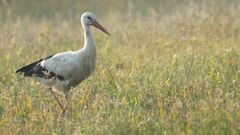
(35, 69)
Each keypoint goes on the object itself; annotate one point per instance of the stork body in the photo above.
(66, 70)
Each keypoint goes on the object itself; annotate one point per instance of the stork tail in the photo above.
(28, 69)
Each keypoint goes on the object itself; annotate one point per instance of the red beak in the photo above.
(99, 26)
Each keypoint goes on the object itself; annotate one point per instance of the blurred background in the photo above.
(162, 17)
(70, 9)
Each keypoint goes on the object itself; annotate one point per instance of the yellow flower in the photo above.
(29, 104)
(193, 39)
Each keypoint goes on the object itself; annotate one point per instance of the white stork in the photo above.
(66, 70)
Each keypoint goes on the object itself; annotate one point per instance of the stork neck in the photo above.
(89, 42)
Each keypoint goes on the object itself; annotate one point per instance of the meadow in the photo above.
(169, 67)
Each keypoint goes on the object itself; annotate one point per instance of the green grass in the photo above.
(173, 71)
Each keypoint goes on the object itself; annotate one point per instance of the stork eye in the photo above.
(89, 18)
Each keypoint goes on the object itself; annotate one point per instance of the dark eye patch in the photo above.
(89, 18)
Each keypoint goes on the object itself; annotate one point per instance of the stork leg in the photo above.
(66, 106)
(56, 98)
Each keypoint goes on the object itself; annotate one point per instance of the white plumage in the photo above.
(67, 69)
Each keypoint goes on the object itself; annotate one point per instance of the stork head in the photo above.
(89, 18)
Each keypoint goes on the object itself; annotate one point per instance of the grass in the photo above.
(160, 72)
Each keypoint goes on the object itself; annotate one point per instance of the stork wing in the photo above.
(62, 64)
(35, 69)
